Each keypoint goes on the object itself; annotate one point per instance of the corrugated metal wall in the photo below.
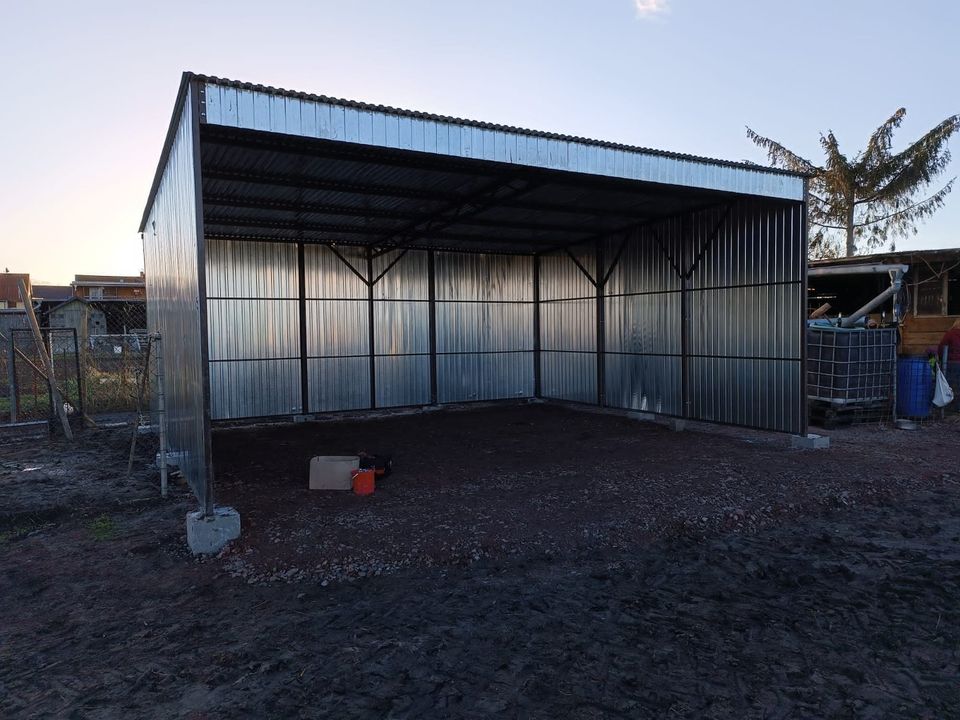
(747, 307)
(568, 327)
(338, 337)
(642, 296)
(401, 329)
(253, 325)
(736, 271)
(745, 289)
(484, 327)
(174, 296)
(484, 320)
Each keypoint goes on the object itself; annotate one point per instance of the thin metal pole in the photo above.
(161, 414)
(537, 389)
(12, 379)
(601, 330)
(371, 335)
(432, 302)
(302, 305)
(76, 362)
(684, 323)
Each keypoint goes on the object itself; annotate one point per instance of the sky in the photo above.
(88, 87)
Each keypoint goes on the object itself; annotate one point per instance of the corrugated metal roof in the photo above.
(487, 125)
(289, 166)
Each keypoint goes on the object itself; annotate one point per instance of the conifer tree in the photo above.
(860, 204)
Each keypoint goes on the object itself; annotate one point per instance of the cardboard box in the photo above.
(333, 472)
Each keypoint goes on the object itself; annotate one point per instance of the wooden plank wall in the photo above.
(920, 333)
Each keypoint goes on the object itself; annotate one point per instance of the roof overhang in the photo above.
(284, 166)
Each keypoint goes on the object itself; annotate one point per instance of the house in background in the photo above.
(109, 287)
(83, 316)
(10, 289)
(121, 299)
(927, 306)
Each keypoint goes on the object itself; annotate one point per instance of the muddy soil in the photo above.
(730, 605)
(508, 481)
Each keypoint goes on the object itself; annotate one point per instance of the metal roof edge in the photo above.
(212, 79)
(879, 257)
(167, 144)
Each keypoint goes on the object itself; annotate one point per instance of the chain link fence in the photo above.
(116, 374)
(26, 396)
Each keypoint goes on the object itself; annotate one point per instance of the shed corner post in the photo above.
(302, 311)
(199, 116)
(599, 273)
(803, 246)
(685, 401)
(432, 312)
(537, 387)
(371, 334)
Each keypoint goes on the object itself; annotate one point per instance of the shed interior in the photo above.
(341, 276)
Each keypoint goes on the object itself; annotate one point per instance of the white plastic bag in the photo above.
(942, 394)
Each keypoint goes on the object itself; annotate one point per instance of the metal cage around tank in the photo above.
(310, 255)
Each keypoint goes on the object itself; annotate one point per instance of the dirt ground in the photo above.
(522, 561)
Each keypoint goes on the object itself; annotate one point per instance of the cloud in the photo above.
(651, 8)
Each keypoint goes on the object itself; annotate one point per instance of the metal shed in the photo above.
(309, 255)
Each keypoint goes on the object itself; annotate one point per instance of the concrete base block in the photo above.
(642, 416)
(208, 535)
(173, 459)
(675, 424)
(810, 442)
(303, 418)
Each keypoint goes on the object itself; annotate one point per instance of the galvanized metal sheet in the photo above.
(406, 279)
(337, 328)
(648, 383)
(403, 380)
(484, 327)
(173, 296)
(251, 270)
(758, 393)
(329, 119)
(401, 327)
(252, 329)
(254, 388)
(568, 325)
(569, 376)
(327, 276)
(560, 278)
(338, 383)
(746, 321)
(646, 261)
(489, 278)
(643, 323)
(488, 376)
(752, 243)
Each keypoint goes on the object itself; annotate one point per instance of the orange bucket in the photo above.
(364, 481)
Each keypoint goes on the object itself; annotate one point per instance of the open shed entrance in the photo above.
(342, 277)
(358, 257)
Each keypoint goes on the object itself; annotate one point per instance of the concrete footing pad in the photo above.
(675, 424)
(810, 441)
(208, 534)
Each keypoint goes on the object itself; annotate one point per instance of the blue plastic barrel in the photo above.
(914, 387)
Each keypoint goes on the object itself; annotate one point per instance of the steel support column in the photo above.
(302, 309)
(536, 327)
(432, 310)
(684, 321)
(371, 336)
(601, 328)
